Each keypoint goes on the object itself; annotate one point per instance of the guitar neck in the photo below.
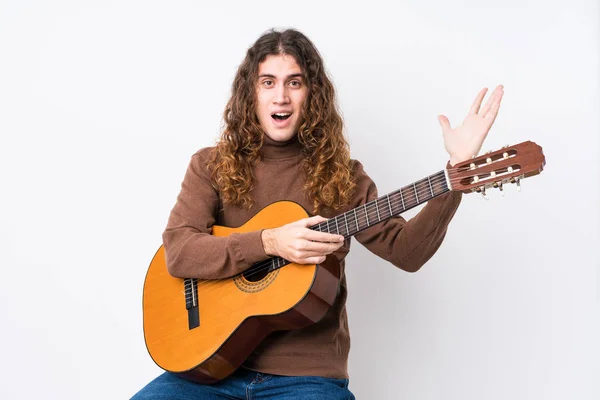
(360, 218)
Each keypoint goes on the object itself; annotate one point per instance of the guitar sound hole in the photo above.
(253, 275)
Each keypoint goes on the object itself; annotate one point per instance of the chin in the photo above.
(280, 136)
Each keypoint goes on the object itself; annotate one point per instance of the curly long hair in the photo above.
(326, 162)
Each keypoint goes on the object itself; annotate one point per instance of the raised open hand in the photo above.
(466, 140)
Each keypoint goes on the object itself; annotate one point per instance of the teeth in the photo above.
(283, 114)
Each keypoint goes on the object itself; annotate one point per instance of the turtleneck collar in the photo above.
(272, 149)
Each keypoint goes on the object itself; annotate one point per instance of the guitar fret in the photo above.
(377, 208)
(337, 228)
(430, 188)
(356, 220)
(389, 205)
(402, 198)
(346, 222)
(366, 213)
(416, 194)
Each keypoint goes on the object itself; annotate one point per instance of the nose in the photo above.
(281, 95)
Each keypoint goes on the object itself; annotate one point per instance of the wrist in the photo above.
(268, 240)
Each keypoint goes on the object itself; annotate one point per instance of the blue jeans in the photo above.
(245, 385)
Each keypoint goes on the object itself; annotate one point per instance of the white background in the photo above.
(102, 104)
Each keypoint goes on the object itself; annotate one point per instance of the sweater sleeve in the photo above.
(406, 244)
(191, 250)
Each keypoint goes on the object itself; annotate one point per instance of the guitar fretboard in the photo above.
(375, 211)
(378, 210)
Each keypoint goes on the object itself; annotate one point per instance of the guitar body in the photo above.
(234, 314)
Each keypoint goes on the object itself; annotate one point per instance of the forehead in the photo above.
(279, 65)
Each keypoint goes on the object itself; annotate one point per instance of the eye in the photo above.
(296, 83)
(268, 82)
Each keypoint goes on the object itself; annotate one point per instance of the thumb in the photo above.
(444, 122)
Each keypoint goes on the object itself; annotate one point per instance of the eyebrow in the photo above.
(297, 75)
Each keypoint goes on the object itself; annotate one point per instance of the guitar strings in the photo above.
(370, 207)
(438, 179)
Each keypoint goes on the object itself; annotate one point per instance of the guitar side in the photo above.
(235, 314)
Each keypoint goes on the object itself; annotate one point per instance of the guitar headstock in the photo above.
(495, 168)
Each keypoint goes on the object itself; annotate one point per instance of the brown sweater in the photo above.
(320, 349)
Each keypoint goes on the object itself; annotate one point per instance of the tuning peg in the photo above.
(483, 193)
(518, 185)
(499, 185)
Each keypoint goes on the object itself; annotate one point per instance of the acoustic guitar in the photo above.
(203, 330)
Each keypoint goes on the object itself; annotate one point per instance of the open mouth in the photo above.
(281, 116)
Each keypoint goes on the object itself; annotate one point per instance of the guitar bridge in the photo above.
(191, 302)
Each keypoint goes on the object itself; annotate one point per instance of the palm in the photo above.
(465, 141)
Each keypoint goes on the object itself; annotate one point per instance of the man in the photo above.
(283, 140)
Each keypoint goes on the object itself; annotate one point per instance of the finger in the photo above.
(313, 260)
(495, 97)
(477, 103)
(321, 236)
(308, 222)
(309, 258)
(444, 123)
(317, 248)
(492, 113)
